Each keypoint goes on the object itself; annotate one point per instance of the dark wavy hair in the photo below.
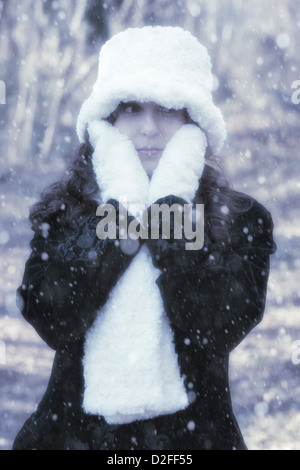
(73, 199)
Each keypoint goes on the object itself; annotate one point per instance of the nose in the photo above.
(149, 124)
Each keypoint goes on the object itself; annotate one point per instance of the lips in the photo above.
(149, 152)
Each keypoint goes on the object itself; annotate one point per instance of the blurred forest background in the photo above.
(48, 64)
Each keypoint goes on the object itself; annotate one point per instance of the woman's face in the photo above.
(149, 126)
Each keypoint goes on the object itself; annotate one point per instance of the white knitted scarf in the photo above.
(131, 369)
(130, 365)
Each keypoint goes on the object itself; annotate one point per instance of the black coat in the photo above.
(212, 303)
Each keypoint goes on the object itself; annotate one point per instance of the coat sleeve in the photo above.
(221, 299)
(66, 281)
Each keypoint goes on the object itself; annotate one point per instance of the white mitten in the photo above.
(117, 166)
(180, 166)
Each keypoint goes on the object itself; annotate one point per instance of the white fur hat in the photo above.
(163, 64)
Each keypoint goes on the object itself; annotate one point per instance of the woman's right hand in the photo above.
(68, 278)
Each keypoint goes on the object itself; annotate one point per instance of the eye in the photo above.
(131, 107)
(163, 109)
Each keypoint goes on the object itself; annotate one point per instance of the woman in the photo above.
(143, 327)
